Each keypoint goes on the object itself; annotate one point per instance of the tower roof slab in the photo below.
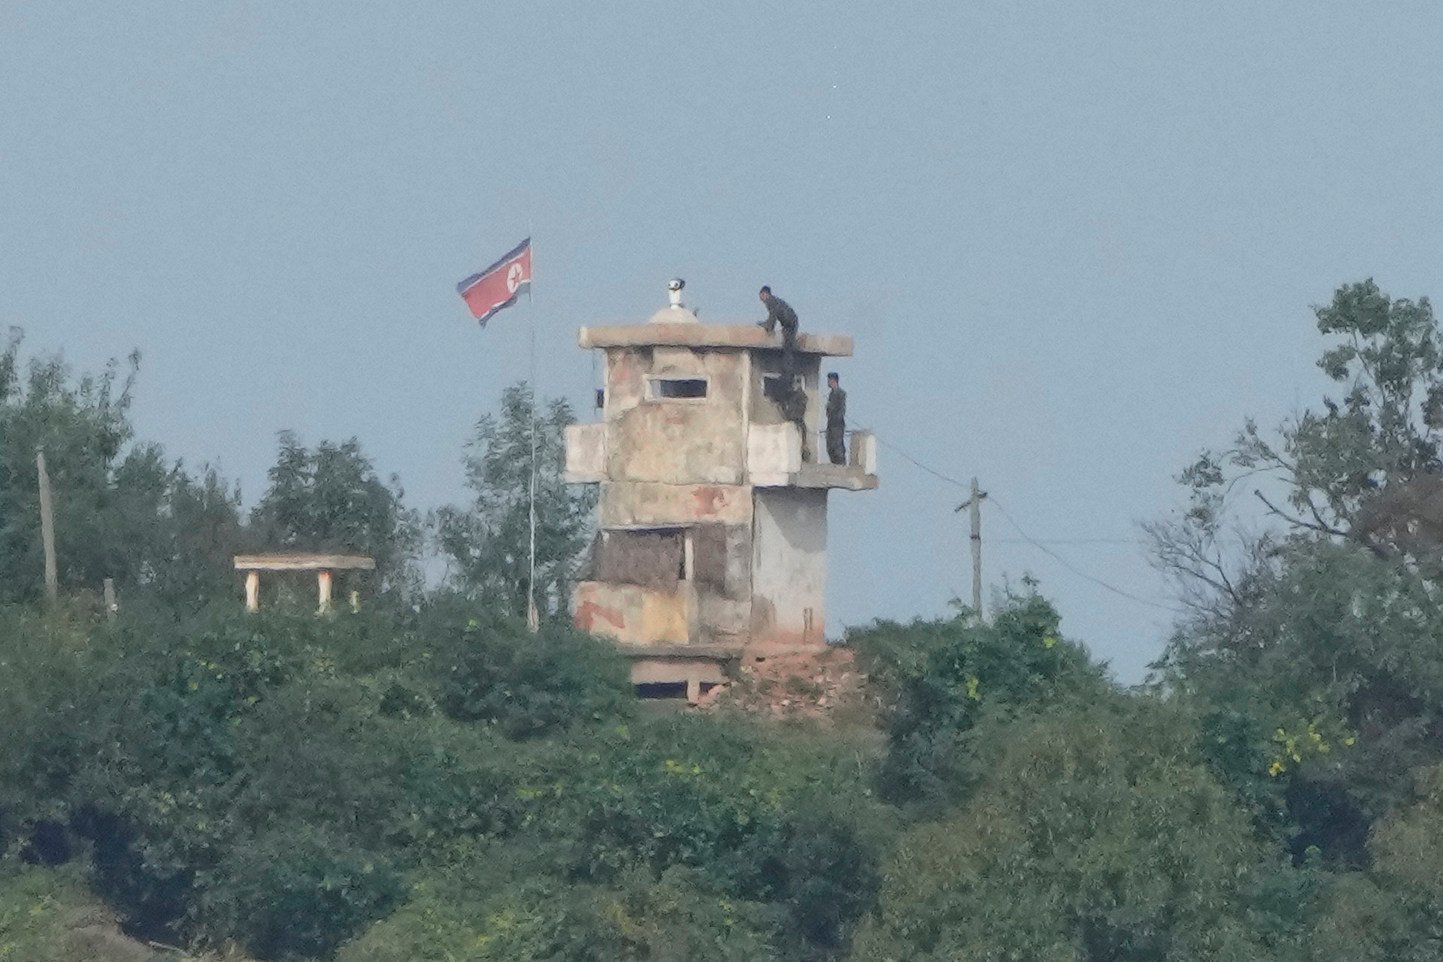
(692, 334)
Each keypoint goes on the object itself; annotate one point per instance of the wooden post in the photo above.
(253, 591)
(355, 601)
(111, 606)
(974, 506)
(47, 529)
(323, 589)
(975, 510)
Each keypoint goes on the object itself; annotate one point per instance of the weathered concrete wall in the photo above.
(774, 453)
(863, 452)
(754, 565)
(789, 567)
(650, 671)
(631, 504)
(649, 558)
(763, 410)
(723, 621)
(585, 453)
(635, 615)
(691, 334)
(723, 581)
(675, 440)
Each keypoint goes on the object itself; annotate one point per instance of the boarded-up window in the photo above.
(709, 556)
(652, 559)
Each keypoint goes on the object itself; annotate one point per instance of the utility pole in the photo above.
(47, 529)
(974, 506)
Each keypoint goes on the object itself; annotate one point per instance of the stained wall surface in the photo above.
(789, 566)
(677, 467)
(765, 364)
(675, 440)
(633, 614)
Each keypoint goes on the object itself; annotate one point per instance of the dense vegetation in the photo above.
(427, 780)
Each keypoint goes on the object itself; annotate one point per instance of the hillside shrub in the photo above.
(491, 669)
(677, 918)
(1100, 834)
(296, 892)
(765, 817)
(940, 678)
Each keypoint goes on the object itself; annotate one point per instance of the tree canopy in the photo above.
(427, 779)
(487, 543)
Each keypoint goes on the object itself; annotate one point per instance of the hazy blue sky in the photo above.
(1075, 241)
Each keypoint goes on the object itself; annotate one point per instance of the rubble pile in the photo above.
(823, 684)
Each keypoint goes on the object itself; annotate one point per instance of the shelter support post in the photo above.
(323, 589)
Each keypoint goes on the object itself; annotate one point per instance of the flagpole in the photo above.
(533, 620)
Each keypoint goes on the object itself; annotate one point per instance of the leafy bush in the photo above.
(493, 670)
(677, 918)
(1322, 697)
(1099, 835)
(1395, 911)
(50, 681)
(940, 678)
(293, 892)
(766, 817)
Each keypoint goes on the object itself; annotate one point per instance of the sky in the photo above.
(1075, 243)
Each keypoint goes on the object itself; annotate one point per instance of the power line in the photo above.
(1128, 541)
(936, 474)
(1041, 545)
(1078, 571)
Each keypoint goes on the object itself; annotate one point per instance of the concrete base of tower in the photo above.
(688, 669)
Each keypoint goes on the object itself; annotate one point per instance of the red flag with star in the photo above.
(498, 286)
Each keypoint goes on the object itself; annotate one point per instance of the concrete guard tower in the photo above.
(713, 526)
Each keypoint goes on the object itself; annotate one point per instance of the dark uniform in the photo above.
(794, 408)
(837, 426)
(791, 401)
(780, 312)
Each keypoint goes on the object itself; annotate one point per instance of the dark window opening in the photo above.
(669, 690)
(774, 386)
(679, 387)
(662, 689)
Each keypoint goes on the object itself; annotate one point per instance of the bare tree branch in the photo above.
(1299, 522)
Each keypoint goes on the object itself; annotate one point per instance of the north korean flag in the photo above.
(498, 285)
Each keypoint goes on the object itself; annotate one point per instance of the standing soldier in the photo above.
(836, 419)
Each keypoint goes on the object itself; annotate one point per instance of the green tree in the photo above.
(1393, 913)
(180, 530)
(1312, 650)
(121, 511)
(494, 671)
(675, 918)
(83, 426)
(941, 678)
(1099, 834)
(329, 498)
(1321, 696)
(1366, 467)
(487, 542)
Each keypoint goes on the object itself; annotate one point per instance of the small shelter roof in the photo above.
(303, 561)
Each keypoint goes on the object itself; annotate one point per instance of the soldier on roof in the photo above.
(780, 312)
